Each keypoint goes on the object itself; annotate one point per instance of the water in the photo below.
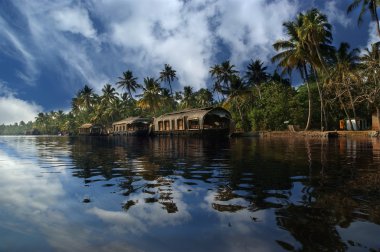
(183, 194)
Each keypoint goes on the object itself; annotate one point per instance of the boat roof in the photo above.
(193, 113)
(130, 120)
(86, 126)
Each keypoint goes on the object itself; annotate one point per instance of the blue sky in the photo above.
(50, 49)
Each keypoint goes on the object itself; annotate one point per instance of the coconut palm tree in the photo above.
(238, 94)
(222, 74)
(168, 75)
(315, 33)
(203, 98)
(294, 55)
(109, 94)
(87, 97)
(188, 100)
(128, 82)
(151, 97)
(256, 74)
(366, 5)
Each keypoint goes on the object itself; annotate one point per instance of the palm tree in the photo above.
(203, 98)
(238, 95)
(294, 55)
(87, 96)
(222, 74)
(128, 82)
(315, 33)
(188, 100)
(168, 75)
(109, 94)
(366, 5)
(256, 74)
(151, 97)
(103, 112)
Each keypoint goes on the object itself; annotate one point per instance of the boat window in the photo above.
(167, 125)
(160, 126)
(194, 124)
(180, 124)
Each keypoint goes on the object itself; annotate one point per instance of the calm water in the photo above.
(182, 194)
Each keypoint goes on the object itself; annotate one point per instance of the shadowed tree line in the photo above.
(337, 83)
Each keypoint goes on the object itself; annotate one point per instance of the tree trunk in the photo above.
(309, 97)
(345, 111)
(378, 117)
(323, 114)
(352, 105)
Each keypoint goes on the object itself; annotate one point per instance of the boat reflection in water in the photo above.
(181, 193)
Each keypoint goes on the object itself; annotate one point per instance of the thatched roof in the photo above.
(86, 126)
(131, 120)
(193, 113)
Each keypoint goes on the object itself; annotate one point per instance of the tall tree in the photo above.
(238, 96)
(151, 97)
(188, 100)
(222, 74)
(366, 5)
(168, 75)
(294, 55)
(87, 97)
(128, 82)
(203, 98)
(315, 33)
(256, 74)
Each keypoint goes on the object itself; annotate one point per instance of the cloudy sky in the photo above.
(49, 49)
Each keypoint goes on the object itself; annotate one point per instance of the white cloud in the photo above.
(144, 35)
(13, 109)
(336, 15)
(373, 36)
(75, 20)
(250, 27)
(185, 35)
(19, 50)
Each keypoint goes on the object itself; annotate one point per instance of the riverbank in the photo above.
(312, 134)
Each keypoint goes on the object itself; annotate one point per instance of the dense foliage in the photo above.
(337, 83)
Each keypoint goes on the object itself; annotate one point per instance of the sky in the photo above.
(49, 49)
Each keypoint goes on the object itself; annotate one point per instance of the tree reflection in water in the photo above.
(314, 186)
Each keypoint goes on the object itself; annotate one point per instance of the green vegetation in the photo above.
(337, 83)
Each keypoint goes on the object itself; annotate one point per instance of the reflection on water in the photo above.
(171, 194)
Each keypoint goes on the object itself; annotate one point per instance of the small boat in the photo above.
(203, 122)
(133, 126)
(89, 129)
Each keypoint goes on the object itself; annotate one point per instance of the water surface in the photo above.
(184, 194)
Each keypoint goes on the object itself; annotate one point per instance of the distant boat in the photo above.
(89, 129)
(134, 126)
(203, 122)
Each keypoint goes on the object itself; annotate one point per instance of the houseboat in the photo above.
(203, 122)
(135, 126)
(89, 129)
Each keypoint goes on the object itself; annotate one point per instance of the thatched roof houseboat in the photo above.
(136, 126)
(205, 121)
(89, 129)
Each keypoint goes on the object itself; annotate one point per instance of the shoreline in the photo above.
(309, 134)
